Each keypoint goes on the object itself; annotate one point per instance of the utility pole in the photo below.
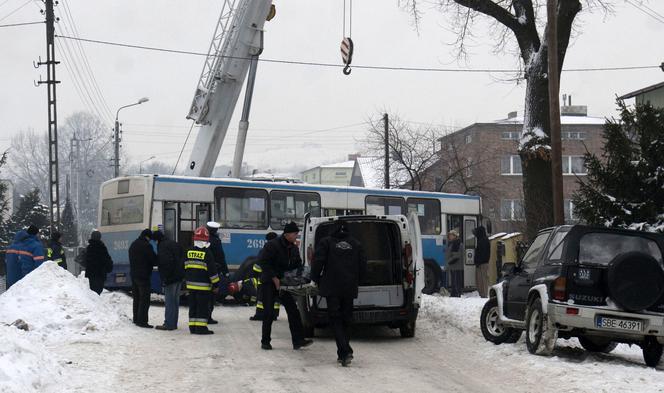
(116, 160)
(387, 151)
(51, 82)
(554, 112)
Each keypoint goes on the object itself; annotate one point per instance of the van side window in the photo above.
(428, 214)
(244, 208)
(287, 206)
(379, 206)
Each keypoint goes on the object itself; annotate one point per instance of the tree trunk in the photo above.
(536, 153)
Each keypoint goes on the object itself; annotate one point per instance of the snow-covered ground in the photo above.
(81, 342)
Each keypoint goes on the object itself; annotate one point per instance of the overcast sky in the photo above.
(294, 104)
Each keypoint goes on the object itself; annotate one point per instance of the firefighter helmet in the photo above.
(201, 234)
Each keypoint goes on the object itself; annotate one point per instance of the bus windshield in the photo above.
(124, 210)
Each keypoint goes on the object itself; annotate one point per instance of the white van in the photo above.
(391, 292)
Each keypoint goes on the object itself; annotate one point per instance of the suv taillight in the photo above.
(559, 288)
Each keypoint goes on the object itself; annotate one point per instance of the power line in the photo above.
(651, 13)
(15, 11)
(334, 65)
(86, 63)
(22, 24)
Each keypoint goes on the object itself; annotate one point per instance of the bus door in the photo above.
(469, 245)
(182, 218)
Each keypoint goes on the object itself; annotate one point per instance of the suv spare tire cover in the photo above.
(635, 280)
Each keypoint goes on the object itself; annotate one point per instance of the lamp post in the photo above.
(140, 164)
(116, 164)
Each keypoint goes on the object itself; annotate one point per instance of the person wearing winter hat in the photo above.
(276, 257)
(201, 280)
(98, 262)
(142, 259)
(171, 271)
(24, 255)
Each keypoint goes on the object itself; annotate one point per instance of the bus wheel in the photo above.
(432, 277)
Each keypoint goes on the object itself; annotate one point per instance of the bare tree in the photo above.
(520, 22)
(412, 150)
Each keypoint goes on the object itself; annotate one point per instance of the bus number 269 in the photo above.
(255, 243)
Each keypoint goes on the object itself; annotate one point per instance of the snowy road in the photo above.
(80, 342)
(447, 355)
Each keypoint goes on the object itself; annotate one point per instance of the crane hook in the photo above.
(347, 69)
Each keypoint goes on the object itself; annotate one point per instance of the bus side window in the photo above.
(377, 205)
(286, 206)
(428, 214)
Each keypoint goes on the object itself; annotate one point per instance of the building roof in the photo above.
(345, 164)
(642, 91)
(370, 170)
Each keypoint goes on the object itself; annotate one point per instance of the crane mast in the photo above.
(235, 46)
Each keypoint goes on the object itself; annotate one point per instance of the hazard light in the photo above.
(559, 288)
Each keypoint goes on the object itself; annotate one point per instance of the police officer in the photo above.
(55, 252)
(278, 256)
(201, 280)
(339, 266)
(219, 259)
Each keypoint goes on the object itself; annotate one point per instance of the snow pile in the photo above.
(56, 305)
(25, 365)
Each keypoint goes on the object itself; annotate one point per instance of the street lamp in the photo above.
(140, 164)
(117, 135)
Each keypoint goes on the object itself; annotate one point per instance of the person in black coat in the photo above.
(276, 257)
(481, 259)
(98, 262)
(339, 266)
(141, 261)
(219, 260)
(171, 270)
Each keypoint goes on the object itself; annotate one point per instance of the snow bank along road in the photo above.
(83, 343)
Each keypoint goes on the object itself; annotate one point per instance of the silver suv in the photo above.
(603, 286)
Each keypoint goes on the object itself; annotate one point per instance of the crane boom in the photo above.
(237, 38)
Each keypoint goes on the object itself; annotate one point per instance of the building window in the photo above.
(469, 138)
(574, 165)
(511, 210)
(573, 135)
(569, 211)
(339, 173)
(510, 165)
(511, 135)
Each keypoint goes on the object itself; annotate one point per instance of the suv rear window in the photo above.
(601, 248)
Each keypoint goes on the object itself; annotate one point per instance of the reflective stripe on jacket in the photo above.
(199, 270)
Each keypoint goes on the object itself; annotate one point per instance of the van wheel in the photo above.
(597, 345)
(407, 329)
(492, 330)
(432, 277)
(652, 351)
(540, 338)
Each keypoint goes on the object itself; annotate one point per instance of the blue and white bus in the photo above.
(247, 210)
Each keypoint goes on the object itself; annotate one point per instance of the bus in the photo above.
(247, 210)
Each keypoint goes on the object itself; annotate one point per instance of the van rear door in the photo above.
(418, 258)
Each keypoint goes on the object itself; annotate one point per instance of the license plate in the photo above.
(619, 324)
(120, 279)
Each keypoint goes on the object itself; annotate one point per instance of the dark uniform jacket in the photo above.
(278, 256)
(339, 265)
(218, 254)
(141, 260)
(483, 251)
(56, 253)
(97, 260)
(200, 271)
(171, 261)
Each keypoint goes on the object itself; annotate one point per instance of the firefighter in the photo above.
(201, 281)
(55, 252)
